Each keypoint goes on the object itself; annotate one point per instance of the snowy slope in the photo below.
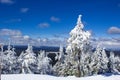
(46, 77)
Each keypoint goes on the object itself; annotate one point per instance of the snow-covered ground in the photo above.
(46, 77)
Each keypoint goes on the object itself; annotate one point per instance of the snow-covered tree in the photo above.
(117, 64)
(9, 60)
(78, 44)
(44, 66)
(85, 62)
(114, 63)
(1, 54)
(57, 68)
(10, 53)
(104, 62)
(28, 60)
(60, 56)
(99, 63)
(61, 53)
(1, 58)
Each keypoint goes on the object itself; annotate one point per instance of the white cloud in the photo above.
(39, 40)
(106, 43)
(45, 40)
(7, 1)
(22, 40)
(44, 25)
(54, 19)
(110, 44)
(26, 37)
(17, 38)
(114, 30)
(52, 42)
(9, 32)
(24, 10)
(117, 39)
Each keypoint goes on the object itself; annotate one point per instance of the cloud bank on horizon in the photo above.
(17, 38)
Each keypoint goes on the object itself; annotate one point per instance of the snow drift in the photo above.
(47, 77)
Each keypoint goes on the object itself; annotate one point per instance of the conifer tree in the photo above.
(28, 60)
(78, 44)
(44, 66)
(114, 63)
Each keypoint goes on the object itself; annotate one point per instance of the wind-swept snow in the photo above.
(46, 77)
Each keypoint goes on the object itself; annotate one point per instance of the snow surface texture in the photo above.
(46, 77)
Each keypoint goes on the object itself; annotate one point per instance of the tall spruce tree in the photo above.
(78, 44)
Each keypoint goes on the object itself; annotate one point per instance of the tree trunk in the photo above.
(78, 66)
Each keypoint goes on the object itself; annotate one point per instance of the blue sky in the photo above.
(56, 18)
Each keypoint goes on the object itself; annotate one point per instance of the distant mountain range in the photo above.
(19, 49)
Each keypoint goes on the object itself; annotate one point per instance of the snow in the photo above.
(47, 77)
